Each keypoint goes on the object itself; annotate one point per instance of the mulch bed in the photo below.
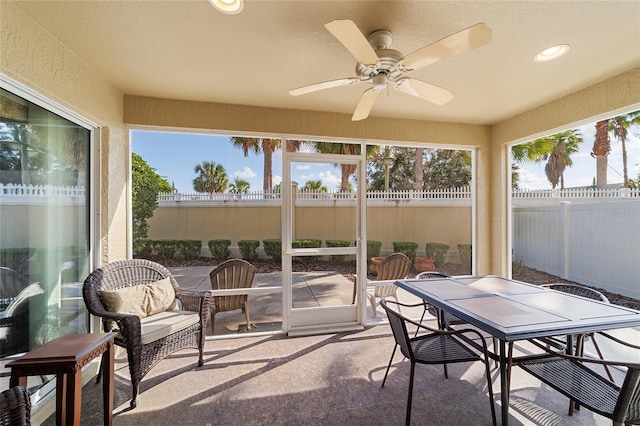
(347, 269)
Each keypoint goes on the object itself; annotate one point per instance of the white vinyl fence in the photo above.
(595, 243)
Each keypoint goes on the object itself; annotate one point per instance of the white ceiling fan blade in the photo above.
(324, 85)
(460, 42)
(365, 104)
(424, 90)
(348, 33)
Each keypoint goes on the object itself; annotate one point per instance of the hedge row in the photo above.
(219, 249)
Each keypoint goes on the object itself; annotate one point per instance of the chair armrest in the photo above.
(583, 359)
(195, 300)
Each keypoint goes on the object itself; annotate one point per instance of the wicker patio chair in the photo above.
(232, 274)
(145, 347)
(15, 407)
(393, 267)
(435, 347)
(573, 377)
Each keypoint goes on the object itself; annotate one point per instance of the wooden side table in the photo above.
(65, 357)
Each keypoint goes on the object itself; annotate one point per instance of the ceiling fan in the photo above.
(382, 67)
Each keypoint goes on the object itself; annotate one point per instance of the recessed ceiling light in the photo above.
(230, 7)
(551, 53)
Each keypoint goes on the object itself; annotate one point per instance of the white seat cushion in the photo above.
(160, 325)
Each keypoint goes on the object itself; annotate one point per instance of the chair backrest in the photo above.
(394, 267)
(118, 274)
(399, 329)
(231, 274)
(15, 406)
(578, 290)
(431, 275)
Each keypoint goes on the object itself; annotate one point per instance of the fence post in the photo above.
(564, 253)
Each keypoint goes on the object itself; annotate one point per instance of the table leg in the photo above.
(74, 398)
(17, 379)
(108, 384)
(504, 384)
(61, 398)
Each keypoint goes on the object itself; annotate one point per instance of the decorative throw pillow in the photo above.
(126, 300)
(141, 300)
(160, 297)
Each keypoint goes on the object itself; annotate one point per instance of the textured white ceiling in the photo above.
(187, 50)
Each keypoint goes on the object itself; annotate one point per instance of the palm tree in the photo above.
(600, 150)
(556, 149)
(314, 186)
(211, 178)
(343, 149)
(258, 145)
(267, 147)
(418, 170)
(239, 186)
(620, 127)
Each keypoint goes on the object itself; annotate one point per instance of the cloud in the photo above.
(331, 181)
(303, 166)
(245, 173)
(276, 179)
(530, 180)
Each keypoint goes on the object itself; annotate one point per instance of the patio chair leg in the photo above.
(372, 300)
(389, 366)
(246, 314)
(408, 419)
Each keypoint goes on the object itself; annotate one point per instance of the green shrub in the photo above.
(437, 252)
(165, 249)
(409, 248)
(188, 249)
(337, 258)
(273, 248)
(219, 249)
(465, 255)
(307, 243)
(143, 248)
(373, 249)
(248, 249)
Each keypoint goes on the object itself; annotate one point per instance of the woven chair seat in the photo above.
(573, 377)
(440, 348)
(577, 382)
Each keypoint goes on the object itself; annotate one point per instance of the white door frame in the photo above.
(332, 318)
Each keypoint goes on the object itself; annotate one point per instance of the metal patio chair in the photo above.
(435, 347)
(579, 379)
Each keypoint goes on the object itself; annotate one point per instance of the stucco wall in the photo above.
(33, 58)
(421, 224)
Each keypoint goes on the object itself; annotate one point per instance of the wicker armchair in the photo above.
(232, 274)
(393, 267)
(146, 347)
(577, 378)
(15, 407)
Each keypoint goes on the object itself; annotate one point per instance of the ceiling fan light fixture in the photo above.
(230, 7)
(551, 53)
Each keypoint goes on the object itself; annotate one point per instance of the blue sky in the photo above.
(174, 156)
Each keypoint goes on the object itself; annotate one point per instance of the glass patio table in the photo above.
(512, 310)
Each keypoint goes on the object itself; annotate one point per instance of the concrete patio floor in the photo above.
(330, 379)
